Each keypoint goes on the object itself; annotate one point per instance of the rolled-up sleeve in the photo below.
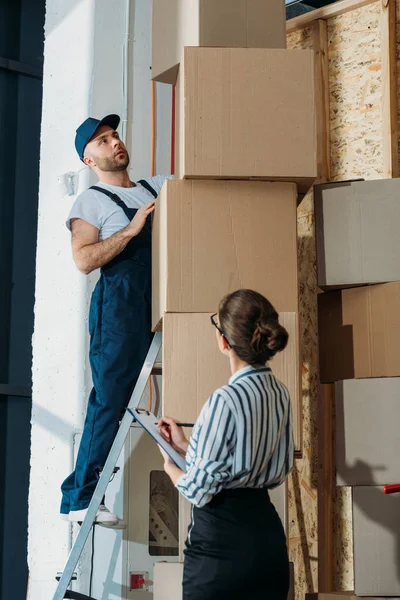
(210, 456)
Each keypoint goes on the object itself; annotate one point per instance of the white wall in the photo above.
(82, 77)
(139, 115)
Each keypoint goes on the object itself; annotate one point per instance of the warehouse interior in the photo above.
(330, 114)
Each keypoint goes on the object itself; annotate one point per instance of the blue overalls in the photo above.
(120, 336)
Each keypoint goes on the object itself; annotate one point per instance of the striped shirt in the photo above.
(242, 438)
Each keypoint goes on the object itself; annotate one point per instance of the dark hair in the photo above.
(251, 326)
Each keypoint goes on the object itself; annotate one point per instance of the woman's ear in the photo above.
(223, 345)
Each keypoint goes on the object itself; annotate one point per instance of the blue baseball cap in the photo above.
(88, 128)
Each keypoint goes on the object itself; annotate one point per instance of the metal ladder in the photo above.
(149, 368)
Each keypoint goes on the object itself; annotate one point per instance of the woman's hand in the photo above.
(167, 459)
(171, 432)
(170, 467)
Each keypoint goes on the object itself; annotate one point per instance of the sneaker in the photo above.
(104, 517)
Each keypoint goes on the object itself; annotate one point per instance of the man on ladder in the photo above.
(110, 225)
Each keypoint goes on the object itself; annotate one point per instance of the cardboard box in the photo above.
(246, 113)
(376, 527)
(214, 237)
(193, 367)
(359, 332)
(222, 23)
(167, 583)
(357, 232)
(367, 431)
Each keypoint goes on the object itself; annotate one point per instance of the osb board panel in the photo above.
(343, 535)
(356, 151)
(300, 40)
(302, 489)
(355, 67)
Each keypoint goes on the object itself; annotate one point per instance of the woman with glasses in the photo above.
(241, 445)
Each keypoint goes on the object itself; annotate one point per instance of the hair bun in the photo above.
(269, 337)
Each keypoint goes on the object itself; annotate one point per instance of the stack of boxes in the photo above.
(245, 149)
(358, 252)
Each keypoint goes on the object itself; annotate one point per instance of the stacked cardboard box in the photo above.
(207, 23)
(358, 255)
(245, 148)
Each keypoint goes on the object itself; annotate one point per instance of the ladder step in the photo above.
(157, 369)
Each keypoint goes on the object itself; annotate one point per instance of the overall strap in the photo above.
(148, 187)
(114, 198)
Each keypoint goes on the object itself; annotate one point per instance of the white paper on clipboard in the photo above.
(149, 422)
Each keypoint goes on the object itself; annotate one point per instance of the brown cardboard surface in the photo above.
(213, 237)
(357, 232)
(222, 23)
(193, 367)
(359, 332)
(244, 113)
(367, 431)
(185, 518)
(167, 580)
(376, 529)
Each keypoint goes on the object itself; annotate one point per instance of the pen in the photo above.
(181, 425)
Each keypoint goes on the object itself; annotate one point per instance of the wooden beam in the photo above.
(325, 414)
(326, 12)
(389, 89)
(321, 78)
(326, 489)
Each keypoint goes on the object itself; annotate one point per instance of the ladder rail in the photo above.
(107, 471)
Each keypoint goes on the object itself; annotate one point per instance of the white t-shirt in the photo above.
(100, 211)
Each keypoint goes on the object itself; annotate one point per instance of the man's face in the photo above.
(106, 151)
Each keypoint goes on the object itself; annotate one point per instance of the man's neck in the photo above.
(119, 178)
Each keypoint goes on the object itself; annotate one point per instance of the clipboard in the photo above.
(149, 422)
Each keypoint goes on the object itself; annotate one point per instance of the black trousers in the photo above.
(236, 549)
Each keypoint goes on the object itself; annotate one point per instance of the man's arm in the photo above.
(90, 254)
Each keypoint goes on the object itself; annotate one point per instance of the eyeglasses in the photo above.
(212, 319)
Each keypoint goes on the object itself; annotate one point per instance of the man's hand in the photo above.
(171, 432)
(139, 220)
(90, 254)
